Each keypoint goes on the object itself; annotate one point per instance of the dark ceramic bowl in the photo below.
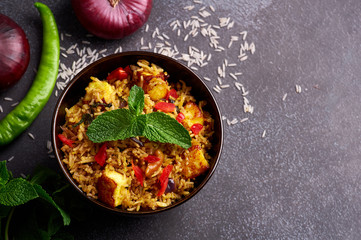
(177, 71)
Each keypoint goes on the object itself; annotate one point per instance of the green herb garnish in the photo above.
(101, 104)
(27, 194)
(120, 124)
(86, 118)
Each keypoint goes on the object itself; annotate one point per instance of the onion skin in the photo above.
(105, 21)
(14, 52)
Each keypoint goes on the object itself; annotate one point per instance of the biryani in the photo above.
(135, 173)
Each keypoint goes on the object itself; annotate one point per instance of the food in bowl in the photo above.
(139, 171)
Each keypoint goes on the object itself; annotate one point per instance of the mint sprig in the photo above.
(121, 124)
(18, 191)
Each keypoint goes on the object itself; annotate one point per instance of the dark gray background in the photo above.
(302, 180)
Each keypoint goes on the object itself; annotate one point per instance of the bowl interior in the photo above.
(177, 71)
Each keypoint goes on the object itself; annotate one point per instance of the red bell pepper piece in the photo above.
(151, 158)
(180, 117)
(171, 93)
(65, 140)
(163, 179)
(118, 73)
(101, 155)
(196, 128)
(165, 107)
(138, 173)
(128, 70)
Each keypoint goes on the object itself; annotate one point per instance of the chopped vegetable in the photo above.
(172, 93)
(163, 179)
(136, 140)
(153, 166)
(196, 128)
(165, 107)
(138, 173)
(65, 140)
(180, 117)
(170, 186)
(151, 158)
(101, 155)
(128, 70)
(117, 74)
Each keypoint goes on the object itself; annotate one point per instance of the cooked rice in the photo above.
(120, 154)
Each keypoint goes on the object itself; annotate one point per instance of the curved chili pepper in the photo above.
(21, 117)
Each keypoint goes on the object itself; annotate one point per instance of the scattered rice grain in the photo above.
(31, 136)
(264, 133)
(243, 120)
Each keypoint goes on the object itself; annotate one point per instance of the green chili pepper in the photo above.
(38, 95)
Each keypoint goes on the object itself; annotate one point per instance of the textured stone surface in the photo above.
(302, 180)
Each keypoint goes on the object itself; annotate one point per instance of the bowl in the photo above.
(99, 69)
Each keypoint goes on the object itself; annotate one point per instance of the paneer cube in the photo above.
(192, 114)
(112, 188)
(195, 163)
(100, 90)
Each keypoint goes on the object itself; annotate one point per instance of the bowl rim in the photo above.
(97, 202)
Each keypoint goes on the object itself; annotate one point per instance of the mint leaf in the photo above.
(16, 192)
(121, 124)
(136, 100)
(163, 128)
(41, 175)
(114, 125)
(4, 173)
(44, 195)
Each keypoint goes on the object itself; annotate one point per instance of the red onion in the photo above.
(112, 19)
(14, 52)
